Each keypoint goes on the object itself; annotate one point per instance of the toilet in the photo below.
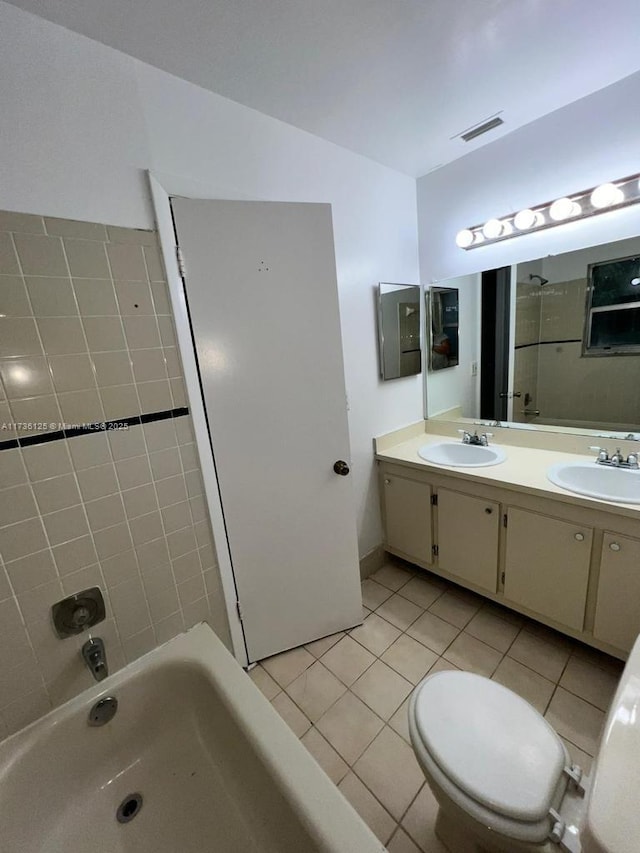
(503, 778)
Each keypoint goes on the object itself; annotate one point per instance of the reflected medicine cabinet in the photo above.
(399, 336)
(443, 307)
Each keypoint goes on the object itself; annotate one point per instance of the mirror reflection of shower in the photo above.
(540, 279)
(577, 339)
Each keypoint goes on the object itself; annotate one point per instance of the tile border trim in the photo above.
(90, 428)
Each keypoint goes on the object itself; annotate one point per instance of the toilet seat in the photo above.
(490, 752)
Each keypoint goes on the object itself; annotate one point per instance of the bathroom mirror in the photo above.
(443, 327)
(570, 324)
(399, 330)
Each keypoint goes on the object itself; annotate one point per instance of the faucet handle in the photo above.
(603, 453)
(617, 457)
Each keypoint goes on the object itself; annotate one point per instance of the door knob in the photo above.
(579, 537)
(614, 546)
(341, 468)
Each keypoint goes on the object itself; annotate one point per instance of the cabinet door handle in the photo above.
(387, 482)
(579, 537)
(614, 546)
(488, 510)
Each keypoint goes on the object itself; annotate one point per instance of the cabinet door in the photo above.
(618, 608)
(407, 506)
(468, 530)
(547, 566)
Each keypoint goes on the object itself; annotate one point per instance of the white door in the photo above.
(261, 288)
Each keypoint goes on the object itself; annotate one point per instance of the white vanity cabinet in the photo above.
(468, 531)
(546, 567)
(555, 561)
(617, 617)
(407, 516)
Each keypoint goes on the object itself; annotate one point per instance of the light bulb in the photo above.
(563, 208)
(464, 238)
(527, 218)
(605, 195)
(492, 228)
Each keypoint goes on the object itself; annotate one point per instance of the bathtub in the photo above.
(211, 762)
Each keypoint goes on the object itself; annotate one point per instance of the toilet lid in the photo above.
(490, 743)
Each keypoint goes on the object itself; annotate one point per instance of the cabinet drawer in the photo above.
(547, 566)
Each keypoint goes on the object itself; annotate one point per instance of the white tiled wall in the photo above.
(86, 335)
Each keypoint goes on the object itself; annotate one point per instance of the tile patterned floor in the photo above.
(346, 696)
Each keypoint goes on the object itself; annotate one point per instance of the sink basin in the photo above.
(459, 455)
(597, 481)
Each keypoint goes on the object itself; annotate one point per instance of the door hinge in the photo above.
(182, 269)
(239, 609)
(434, 500)
(502, 578)
(434, 550)
(504, 520)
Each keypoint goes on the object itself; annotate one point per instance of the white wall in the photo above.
(579, 146)
(81, 121)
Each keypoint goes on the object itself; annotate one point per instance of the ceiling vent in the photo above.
(479, 129)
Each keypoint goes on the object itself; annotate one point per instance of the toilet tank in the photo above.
(612, 823)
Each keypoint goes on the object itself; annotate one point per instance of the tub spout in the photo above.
(95, 657)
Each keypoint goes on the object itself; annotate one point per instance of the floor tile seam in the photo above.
(582, 699)
(353, 769)
(348, 686)
(581, 748)
(562, 642)
(502, 655)
(610, 667)
(384, 586)
(440, 594)
(348, 690)
(440, 654)
(397, 671)
(404, 630)
(531, 669)
(400, 822)
(349, 634)
(480, 640)
(324, 712)
(386, 722)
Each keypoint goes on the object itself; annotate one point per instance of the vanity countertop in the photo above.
(524, 470)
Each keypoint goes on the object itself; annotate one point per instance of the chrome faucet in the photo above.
(482, 440)
(95, 657)
(616, 460)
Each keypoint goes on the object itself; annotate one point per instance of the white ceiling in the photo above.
(391, 79)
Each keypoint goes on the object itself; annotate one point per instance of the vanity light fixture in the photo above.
(564, 208)
(571, 208)
(606, 195)
(527, 218)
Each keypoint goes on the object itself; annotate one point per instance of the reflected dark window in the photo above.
(613, 316)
